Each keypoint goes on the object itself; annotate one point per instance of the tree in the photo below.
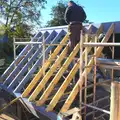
(57, 14)
(15, 12)
(18, 16)
(19, 13)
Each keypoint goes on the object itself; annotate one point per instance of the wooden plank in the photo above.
(65, 94)
(62, 89)
(46, 65)
(76, 116)
(71, 112)
(116, 67)
(115, 101)
(65, 84)
(100, 30)
(58, 76)
(6, 117)
(79, 84)
(90, 29)
(48, 74)
(108, 61)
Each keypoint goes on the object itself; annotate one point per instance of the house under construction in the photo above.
(53, 85)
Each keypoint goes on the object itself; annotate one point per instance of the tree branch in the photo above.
(10, 7)
(14, 12)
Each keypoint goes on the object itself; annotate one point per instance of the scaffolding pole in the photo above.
(85, 90)
(100, 44)
(113, 54)
(14, 48)
(115, 101)
(94, 77)
(81, 65)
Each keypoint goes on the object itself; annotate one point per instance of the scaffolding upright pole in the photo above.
(14, 49)
(43, 44)
(85, 91)
(81, 64)
(95, 69)
(113, 52)
(115, 101)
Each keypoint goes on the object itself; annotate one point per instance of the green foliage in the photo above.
(15, 12)
(57, 14)
(19, 17)
(2, 30)
(21, 31)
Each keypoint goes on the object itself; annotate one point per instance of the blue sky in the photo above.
(97, 10)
